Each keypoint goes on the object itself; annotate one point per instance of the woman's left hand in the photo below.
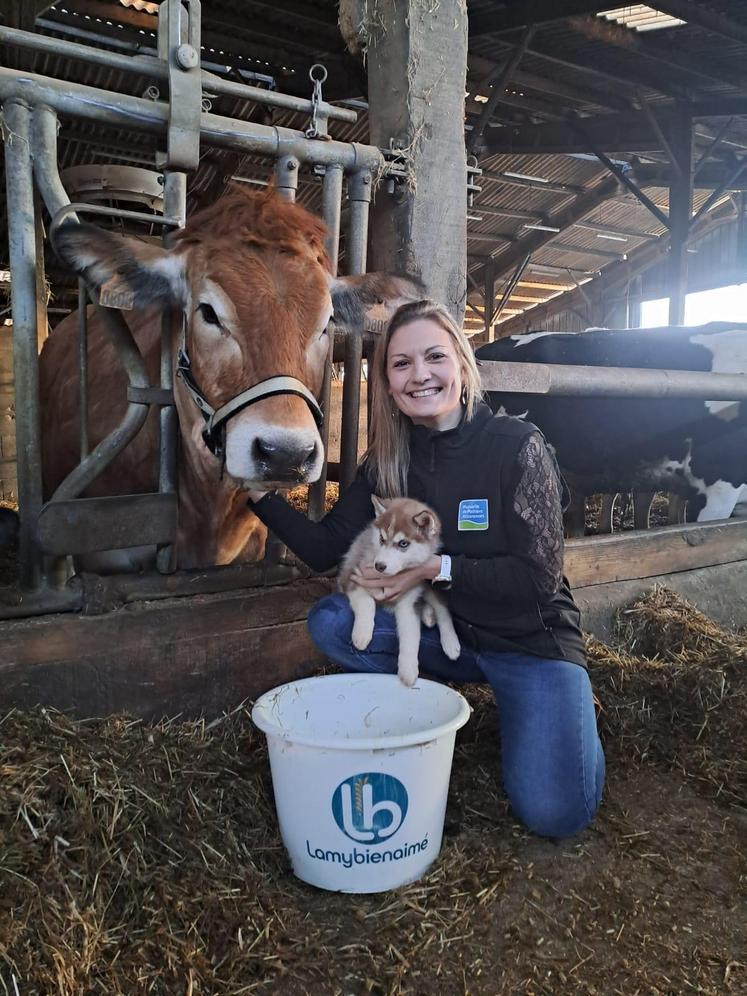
(387, 588)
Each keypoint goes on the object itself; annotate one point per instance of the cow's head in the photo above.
(252, 279)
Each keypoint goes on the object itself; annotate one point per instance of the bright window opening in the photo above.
(639, 17)
(722, 304)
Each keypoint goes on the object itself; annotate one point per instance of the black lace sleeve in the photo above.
(537, 502)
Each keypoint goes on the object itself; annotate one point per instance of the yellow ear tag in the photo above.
(116, 294)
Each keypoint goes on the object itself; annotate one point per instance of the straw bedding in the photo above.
(142, 858)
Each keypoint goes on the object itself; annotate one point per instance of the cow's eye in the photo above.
(208, 313)
(403, 544)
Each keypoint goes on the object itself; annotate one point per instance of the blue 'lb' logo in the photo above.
(370, 807)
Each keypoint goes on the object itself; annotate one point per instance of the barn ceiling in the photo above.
(551, 84)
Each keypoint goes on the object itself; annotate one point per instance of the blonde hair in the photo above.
(388, 453)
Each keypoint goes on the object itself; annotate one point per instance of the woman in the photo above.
(496, 488)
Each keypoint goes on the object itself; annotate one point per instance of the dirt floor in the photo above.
(145, 859)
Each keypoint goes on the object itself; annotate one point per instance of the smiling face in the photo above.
(424, 375)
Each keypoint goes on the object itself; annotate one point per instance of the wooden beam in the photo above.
(602, 32)
(196, 655)
(629, 132)
(498, 83)
(666, 550)
(695, 14)
(509, 17)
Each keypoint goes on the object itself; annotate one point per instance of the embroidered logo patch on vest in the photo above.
(473, 514)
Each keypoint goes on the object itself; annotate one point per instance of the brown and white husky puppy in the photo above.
(405, 533)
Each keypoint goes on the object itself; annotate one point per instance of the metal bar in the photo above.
(331, 210)
(174, 206)
(595, 226)
(585, 250)
(510, 286)
(718, 191)
(144, 65)
(22, 245)
(502, 212)
(657, 129)
(712, 146)
(286, 177)
(609, 382)
(359, 195)
(529, 181)
(489, 299)
(123, 110)
(83, 365)
(680, 211)
(498, 84)
(621, 176)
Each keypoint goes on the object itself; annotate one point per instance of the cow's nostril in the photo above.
(264, 450)
(310, 453)
(380, 567)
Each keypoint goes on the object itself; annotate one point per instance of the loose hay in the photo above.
(142, 858)
(677, 694)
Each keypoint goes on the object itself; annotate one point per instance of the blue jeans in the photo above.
(553, 763)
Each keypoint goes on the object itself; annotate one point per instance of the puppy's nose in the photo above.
(380, 567)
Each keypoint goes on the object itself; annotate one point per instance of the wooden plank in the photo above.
(190, 656)
(666, 550)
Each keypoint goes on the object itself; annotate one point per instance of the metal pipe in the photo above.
(174, 206)
(22, 245)
(144, 65)
(609, 382)
(359, 195)
(510, 286)
(123, 110)
(331, 210)
(44, 127)
(19, 605)
(286, 177)
(83, 365)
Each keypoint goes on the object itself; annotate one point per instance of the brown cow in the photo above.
(251, 277)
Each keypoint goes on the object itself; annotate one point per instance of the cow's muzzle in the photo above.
(214, 433)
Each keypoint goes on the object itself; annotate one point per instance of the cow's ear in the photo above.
(367, 302)
(148, 271)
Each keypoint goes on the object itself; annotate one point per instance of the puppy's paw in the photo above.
(451, 646)
(428, 616)
(407, 672)
(361, 636)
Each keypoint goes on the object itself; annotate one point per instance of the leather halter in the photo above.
(214, 433)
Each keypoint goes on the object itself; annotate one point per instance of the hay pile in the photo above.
(677, 693)
(141, 858)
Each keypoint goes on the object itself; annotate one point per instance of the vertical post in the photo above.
(417, 64)
(331, 208)
(83, 366)
(22, 245)
(42, 325)
(489, 299)
(174, 206)
(286, 177)
(359, 195)
(680, 211)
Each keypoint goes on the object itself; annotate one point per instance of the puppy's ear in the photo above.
(379, 504)
(427, 522)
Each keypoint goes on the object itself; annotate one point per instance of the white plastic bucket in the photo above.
(360, 768)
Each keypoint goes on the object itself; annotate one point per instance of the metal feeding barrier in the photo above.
(68, 524)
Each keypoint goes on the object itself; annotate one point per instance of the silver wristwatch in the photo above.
(442, 581)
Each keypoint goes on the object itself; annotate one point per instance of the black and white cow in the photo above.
(696, 449)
